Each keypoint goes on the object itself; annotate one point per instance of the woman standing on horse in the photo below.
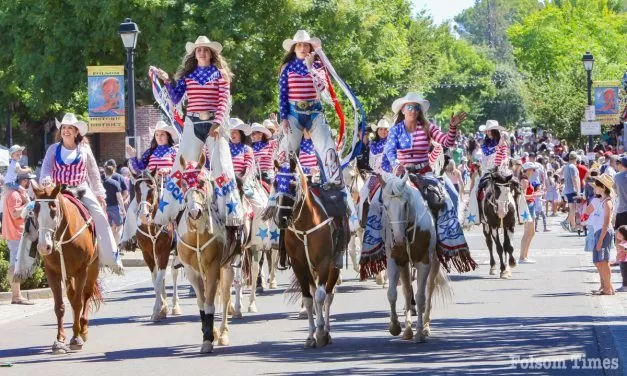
(302, 85)
(495, 152)
(71, 162)
(407, 150)
(158, 159)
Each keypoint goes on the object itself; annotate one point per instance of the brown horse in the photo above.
(67, 244)
(156, 243)
(309, 244)
(201, 238)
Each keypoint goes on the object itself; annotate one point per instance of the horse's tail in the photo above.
(440, 288)
(293, 293)
(96, 296)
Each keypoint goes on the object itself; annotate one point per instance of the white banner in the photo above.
(590, 128)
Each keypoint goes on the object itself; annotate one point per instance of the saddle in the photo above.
(333, 200)
(71, 195)
(431, 191)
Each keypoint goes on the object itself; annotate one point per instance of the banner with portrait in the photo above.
(606, 101)
(106, 104)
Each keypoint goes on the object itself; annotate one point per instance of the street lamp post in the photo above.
(129, 32)
(588, 63)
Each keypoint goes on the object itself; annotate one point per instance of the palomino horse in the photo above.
(67, 244)
(496, 211)
(200, 243)
(354, 182)
(410, 241)
(310, 245)
(156, 243)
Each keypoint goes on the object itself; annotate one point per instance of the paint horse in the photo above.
(156, 243)
(200, 244)
(67, 242)
(410, 241)
(310, 245)
(497, 211)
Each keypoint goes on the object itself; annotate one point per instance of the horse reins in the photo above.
(151, 206)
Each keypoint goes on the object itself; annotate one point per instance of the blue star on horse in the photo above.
(471, 218)
(525, 216)
(262, 233)
(232, 206)
(274, 235)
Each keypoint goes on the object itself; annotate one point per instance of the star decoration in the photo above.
(162, 205)
(525, 216)
(274, 235)
(232, 206)
(262, 233)
(471, 218)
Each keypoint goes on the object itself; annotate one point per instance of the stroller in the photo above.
(580, 208)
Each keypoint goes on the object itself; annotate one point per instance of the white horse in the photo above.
(410, 241)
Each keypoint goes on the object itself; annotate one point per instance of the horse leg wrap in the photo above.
(207, 327)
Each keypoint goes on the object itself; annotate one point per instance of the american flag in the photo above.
(308, 157)
(405, 148)
(297, 84)
(206, 90)
(376, 149)
(243, 158)
(162, 97)
(72, 174)
(284, 180)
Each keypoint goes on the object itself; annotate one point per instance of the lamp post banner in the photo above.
(106, 105)
(606, 100)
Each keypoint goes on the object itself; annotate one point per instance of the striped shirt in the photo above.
(264, 154)
(243, 158)
(206, 90)
(403, 147)
(72, 174)
(297, 83)
(377, 159)
(162, 157)
(493, 154)
(307, 156)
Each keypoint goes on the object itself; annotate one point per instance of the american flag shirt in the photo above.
(403, 147)
(493, 151)
(264, 154)
(72, 174)
(297, 83)
(307, 156)
(377, 159)
(243, 158)
(162, 157)
(206, 90)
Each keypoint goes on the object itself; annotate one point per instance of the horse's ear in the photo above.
(182, 161)
(277, 165)
(508, 178)
(55, 191)
(292, 163)
(201, 161)
(36, 187)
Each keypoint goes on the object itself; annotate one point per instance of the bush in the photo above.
(37, 280)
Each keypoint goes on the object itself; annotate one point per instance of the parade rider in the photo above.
(71, 162)
(158, 160)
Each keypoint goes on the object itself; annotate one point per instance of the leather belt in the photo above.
(202, 115)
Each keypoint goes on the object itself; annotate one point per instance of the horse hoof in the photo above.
(84, 336)
(272, 285)
(310, 343)
(408, 334)
(206, 348)
(426, 330)
(302, 314)
(176, 310)
(420, 339)
(76, 344)
(339, 281)
(224, 340)
(156, 317)
(252, 308)
(513, 263)
(322, 339)
(505, 274)
(59, 348)
(238, 315)
(395, 328)
(492, 271)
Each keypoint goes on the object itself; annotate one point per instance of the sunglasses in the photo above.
(413, 107)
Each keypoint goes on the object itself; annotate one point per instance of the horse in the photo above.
(310, 246)
(354, 182)
(156, 243)
(67, 243)
(410, 240)
(496, 211)
(200, 243)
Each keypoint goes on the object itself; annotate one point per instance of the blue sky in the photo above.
(442, 10)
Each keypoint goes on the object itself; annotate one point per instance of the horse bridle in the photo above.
(495, 202)
(298, 198)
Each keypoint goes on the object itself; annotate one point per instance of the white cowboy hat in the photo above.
(256, 127)
(236, 124)
(70, 119)
(410, 98)
(272, 127)
(15, 148)
(165, 127)
(203, 41)
(383, 123)
(301, 36)
(493, 125)
(482, 128)
(529, 165)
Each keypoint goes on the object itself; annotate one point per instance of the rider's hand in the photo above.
(130, 151)
(215, 130)
(273, 117)
(163, 75)
(102, 202)
(286, 126)
(457, 119)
